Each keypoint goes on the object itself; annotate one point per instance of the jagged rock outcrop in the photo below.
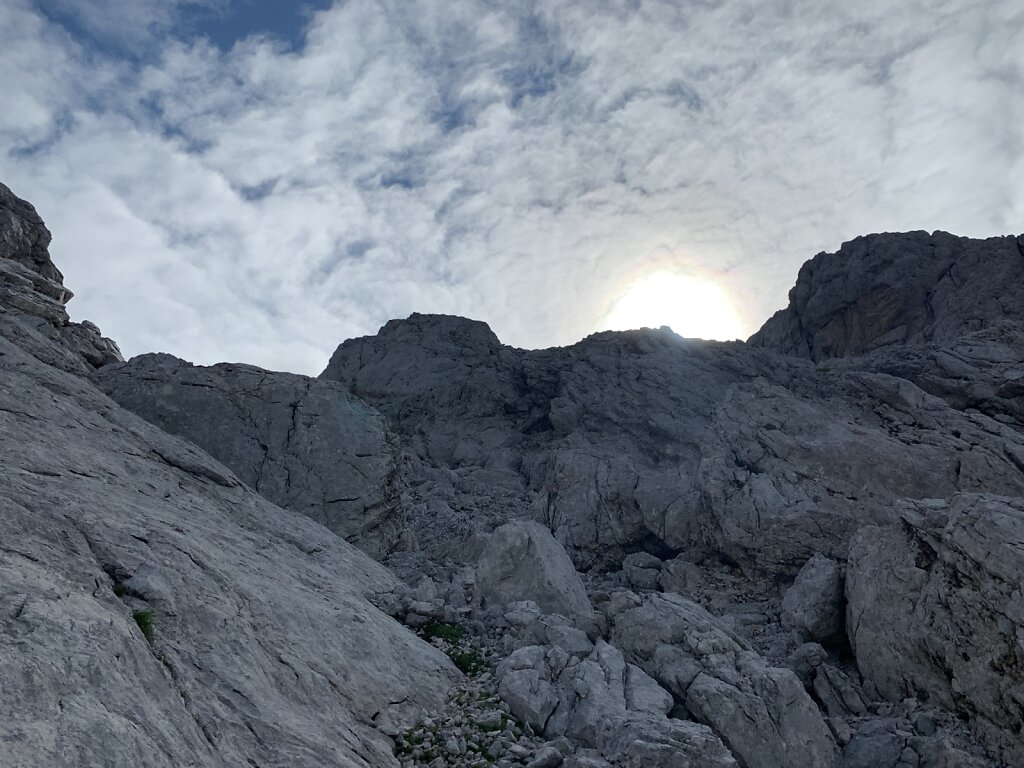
(588, 440)
(936, 611)
(888, 289)
(980, 372)
(32, 289)
(154, 611)
(305, 444)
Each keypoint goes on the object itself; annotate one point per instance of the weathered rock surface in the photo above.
(607, 704)
(886, 289)
(814, 604)
(789, 472)
(936, 611)
(587, 439)
(761, 712)
(305, 444)
(32, 291)
(24, 239)
(154, 611)
(522, 561)
(980, 372)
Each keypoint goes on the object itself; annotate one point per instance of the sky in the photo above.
(258, 180)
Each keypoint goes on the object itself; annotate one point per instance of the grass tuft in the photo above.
(444, 630)
(146, 622)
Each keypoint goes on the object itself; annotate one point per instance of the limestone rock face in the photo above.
(936, 611)
(887, 289)
(305, 444)
(789, 472)
(29, 282)
(32, 290)
(588, 440)
(980, 372)
(24, 239)
(154, 611)
(522, 561)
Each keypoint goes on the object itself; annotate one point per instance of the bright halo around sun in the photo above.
(690, 306)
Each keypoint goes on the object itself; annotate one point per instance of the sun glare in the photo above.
(692, 307)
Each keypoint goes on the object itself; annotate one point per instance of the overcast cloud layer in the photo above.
(263, 200)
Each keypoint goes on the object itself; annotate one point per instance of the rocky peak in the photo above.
(432, 330)
(898, 288)
(24, 238)
(33, 288)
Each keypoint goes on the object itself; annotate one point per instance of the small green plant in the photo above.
(120, 590)
(444, 630)
(469, 662)
(146, 622)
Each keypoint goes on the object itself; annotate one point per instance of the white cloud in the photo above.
(262, 204)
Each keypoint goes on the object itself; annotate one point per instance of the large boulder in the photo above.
(898, 288)
(522, 561)
(814, 604)
(936, 611)
(762, 713)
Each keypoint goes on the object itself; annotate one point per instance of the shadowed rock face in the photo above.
(936, 611)
(306, 444)
(894, 289)
(600, 441)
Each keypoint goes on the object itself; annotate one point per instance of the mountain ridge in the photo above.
(768, 546)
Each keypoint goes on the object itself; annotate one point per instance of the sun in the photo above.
(692, 307)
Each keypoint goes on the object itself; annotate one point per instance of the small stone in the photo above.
(546, 757)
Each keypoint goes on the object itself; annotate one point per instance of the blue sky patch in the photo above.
(284, 20)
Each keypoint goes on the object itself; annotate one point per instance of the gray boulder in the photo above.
(936, 611)
(814, 604)
(524, 685)
(522, 561)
